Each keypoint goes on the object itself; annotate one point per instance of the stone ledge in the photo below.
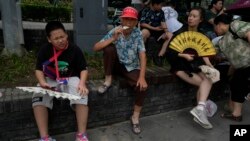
(165, 93)
(154, 76)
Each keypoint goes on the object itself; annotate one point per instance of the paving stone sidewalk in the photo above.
(171, 126)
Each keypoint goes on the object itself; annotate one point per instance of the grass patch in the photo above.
(19, 71)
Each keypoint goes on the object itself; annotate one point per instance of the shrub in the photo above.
(42, 10)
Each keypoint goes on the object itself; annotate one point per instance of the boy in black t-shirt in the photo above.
(60, 63)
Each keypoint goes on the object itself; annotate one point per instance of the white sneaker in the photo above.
(201, 124)
(201, 117)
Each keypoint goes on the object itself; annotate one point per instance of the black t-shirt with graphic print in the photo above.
(70, 63)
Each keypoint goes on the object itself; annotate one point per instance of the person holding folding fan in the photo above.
(186, 66)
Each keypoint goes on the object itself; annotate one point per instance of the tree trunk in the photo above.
(11, 29)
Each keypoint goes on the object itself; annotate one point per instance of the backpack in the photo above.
(235, 36)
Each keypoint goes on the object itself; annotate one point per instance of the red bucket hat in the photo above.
(129, 12)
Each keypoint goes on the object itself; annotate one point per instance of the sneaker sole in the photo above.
(199, 121)
(201, 124)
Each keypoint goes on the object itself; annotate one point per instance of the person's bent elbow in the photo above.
(97, 47)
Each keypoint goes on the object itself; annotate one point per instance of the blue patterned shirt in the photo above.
(128, 49)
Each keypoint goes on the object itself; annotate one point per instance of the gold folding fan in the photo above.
(193, 40)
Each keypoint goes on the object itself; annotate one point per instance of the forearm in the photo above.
(100, 45)
(222, 11)
(83, 77)
(143, 63)
(164, 27)
(147, 26)
(207, 61)
(40, 77)
(188, 57)
(181, 55)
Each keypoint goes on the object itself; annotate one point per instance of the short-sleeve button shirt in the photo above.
(128, 48)
(237, 51)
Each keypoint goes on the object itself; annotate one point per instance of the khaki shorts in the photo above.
(47, 101)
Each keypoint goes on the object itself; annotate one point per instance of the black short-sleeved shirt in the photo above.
(181, 64)
(153, 18)
(206, 25)
(70, 63)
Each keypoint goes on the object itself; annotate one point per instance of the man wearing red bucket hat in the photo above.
(124, 54)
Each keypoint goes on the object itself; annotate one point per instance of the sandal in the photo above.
(231, 117)
(103, 88)
(135, 127)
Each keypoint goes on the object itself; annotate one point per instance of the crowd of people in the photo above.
(60, 62)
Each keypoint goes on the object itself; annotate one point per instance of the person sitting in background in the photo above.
(235, 45)
(215, 9)
(171, 17)
(124, 54)
(186, 67)
(145, 4)
(152, 23)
